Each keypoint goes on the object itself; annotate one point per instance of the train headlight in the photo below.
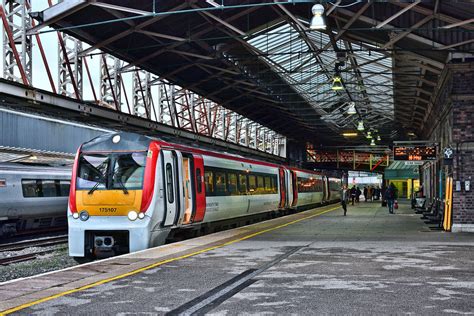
(84, 216)
(75, 215)
(141, 215)
(132, 215)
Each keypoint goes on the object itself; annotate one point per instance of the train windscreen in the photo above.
(114, 171)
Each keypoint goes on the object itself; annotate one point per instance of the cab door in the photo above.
(199, 188)
(281, 173)
(171, 190)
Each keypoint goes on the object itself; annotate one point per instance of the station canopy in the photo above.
(260, 58)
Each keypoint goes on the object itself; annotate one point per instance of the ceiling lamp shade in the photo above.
(336, 83)
(317, 21)
(372, 142)
(352, 108)
(369, 135)
(379, 138)
(360, 126)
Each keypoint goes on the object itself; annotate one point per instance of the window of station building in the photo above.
(232, 183)
(45, 188)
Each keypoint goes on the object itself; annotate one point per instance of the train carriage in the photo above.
(32, 197)
(129, 191)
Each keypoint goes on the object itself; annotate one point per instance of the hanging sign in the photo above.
(414, 153)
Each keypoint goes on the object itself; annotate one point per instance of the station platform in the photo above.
(309, 263)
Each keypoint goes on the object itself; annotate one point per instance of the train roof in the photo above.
(33, 167)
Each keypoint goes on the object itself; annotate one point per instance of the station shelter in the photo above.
(405, 177)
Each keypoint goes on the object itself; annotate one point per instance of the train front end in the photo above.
(111, 199)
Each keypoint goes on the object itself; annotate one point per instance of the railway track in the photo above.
(44, 242)
(21, 258)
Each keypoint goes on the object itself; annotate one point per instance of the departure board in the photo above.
(414, 153)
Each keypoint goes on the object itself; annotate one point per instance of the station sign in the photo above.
(414, 153)
(414, 163)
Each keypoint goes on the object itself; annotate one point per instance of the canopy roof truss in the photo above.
(259, 58)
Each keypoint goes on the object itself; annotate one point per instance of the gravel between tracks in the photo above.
(56, 260)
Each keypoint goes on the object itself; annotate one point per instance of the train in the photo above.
(130, 192)
(32, 197)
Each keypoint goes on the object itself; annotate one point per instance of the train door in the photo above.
(188, 192)
(281, 173)
(326, 192)
(295, 188)
(199, 189)
(289, 186)
(171, 190)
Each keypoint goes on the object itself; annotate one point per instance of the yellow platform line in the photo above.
(156, 264)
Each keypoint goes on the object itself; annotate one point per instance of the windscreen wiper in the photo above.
(124, 189)
(96, 186)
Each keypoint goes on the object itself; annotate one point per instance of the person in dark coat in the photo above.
(391, 196)
(353, 194)
(358, 194)
(365, 193)
(344, 198)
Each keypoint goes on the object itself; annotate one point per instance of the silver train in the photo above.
(32, 197)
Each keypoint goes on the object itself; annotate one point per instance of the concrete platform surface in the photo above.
(310, 263)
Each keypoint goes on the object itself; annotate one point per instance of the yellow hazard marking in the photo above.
(156, 264)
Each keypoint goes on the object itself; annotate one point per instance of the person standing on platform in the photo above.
(390, 197)
(344, 198)
(365, 193)
(358, 194)
(353, 194)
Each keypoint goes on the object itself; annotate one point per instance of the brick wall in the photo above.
(463, 137)
(462, 96)
(453, 125)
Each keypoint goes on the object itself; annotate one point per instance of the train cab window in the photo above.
(3, 183)
(252, 184)
(169, 183)
(48, 188)
(232, 183)
(221, 188)
(128, 171)
(243, 183)
(209, 181)
(92, 171)
(198, 180)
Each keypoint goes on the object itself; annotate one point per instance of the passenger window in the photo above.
(64, 186)
(169, 183)
(198, 180)
(3, 182)
(252, 184)
(232, 183)
(220, 183)
(268, 185)
(209, 182)
(49, 188)
(243, 183)
(31, 188)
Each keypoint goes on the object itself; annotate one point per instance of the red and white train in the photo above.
(128, 192)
